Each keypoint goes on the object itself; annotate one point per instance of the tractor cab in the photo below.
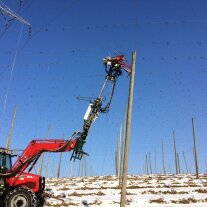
(5, 165)
(5, 160)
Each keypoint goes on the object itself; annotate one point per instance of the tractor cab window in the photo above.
(1, 159)
(5, 161)
(8, 162)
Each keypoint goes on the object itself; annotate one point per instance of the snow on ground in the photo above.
(142, 191)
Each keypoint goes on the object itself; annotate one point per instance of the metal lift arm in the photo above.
(31, 154)
(35, 149)
(113, 66)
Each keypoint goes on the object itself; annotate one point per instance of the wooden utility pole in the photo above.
(71, 168)
(53, 168)
(11, 129)
(155, 162)
(163, 159)
(186, 165)
(178, 160)
(85, 166)
(42, 160)
(123, 134)
(59, 166)
(118, 160)
(82, 167)
(150, 164)
(79, 169)
(82, 171)
(175, 152)
(194, 154)
(35, 171)
(170, 169)
(146, 164)
(206, 165)
(46, 167)
(195, 149)
(128, 130)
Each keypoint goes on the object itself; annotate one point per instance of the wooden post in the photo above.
(71, 168)
(163, 159)
(91, 173)
(85, 166)
(35, 171)
(47, 166)
(118, 153)
(195, 149)
(155, 162)
(123, 134)
(146, 164)
(53, 168)
(128, 130)
(170, 169)
(79, 169)
(82, 167)
(59, 166)
(117, 161)
(178, 162)
(186, 165)
(11, 129)
(175, 152)
(194, 155)
(42, 160)
(206, 165)
(150, 165)
(144, 168)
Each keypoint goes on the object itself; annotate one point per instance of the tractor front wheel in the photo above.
(21, 197)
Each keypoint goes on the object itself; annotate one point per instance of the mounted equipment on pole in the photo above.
(113, 66)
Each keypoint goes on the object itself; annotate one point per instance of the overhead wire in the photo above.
(45, 27)
(12, 69)
(62, 12)
(167, 43)
(113, 25)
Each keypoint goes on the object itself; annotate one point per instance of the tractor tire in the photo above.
(21, 197)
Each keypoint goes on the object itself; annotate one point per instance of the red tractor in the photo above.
(19, 187)
(23, 189)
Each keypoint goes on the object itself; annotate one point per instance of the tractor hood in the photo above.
(31, 181)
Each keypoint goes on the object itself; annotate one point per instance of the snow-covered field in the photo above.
(143, 191)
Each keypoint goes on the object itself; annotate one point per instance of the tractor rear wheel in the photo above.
(21, 197)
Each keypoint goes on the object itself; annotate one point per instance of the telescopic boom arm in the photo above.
(31, 154)
(113, 66)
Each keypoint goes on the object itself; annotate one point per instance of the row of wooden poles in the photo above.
(148, 163)
(119, 156)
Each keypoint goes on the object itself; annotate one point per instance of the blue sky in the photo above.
(63, 59)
